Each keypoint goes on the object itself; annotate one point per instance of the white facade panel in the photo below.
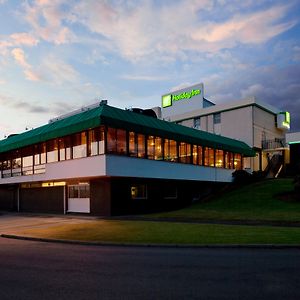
(79, 205)
(143, 168)
(69, 169)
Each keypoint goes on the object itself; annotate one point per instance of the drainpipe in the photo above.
(18, 198)
(65, 211)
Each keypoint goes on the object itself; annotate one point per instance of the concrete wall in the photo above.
(8, 198)
(100, 197)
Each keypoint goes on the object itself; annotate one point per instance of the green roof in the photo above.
(115, 117)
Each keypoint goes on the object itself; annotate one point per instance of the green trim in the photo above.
(295, 142)
(118, 118)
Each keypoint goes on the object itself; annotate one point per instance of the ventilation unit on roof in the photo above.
(78, 111)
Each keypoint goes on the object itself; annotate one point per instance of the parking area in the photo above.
(13, 223)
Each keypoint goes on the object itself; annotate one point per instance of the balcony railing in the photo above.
(273, 144)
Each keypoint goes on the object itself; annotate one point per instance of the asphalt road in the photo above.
(37, 270)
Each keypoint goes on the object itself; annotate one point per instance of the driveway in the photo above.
(13, 223)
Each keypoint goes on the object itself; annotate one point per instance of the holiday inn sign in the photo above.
(167, 100)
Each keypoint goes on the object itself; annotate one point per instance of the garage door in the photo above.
(43, 199)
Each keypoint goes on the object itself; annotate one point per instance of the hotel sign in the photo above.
(182, 101)
(283, 120)
(167, 100)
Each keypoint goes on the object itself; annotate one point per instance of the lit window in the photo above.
(219, 158)
(138, 191)
(170, 150)
(237, 161)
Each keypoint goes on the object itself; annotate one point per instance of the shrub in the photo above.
(242, 177)
(297, 184)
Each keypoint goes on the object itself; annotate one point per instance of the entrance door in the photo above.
(79, 198)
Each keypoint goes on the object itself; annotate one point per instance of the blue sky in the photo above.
(58, 55)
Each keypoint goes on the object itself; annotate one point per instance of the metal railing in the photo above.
(273, 144)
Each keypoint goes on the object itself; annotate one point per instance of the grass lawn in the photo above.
(169, 233)
(253, 202)
(256, 201)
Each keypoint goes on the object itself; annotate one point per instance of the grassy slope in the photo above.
(253, 202)
(257, 201)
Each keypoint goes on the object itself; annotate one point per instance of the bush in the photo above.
(297, 184)
(242, 177)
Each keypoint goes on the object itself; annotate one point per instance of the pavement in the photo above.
(14, 223)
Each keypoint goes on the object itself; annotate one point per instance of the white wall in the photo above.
(237, 124)
(265, 126)
(135, 167)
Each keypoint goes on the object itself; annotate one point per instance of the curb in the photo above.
(109, 244)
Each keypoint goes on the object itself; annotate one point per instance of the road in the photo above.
(38, 270)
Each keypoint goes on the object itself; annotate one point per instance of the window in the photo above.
(170, 150)
(197, 122)
(184, 152)
(116, 141)
(150, 147)
(79, 191)
(209, 157)
(138, 191)
(237, 161)
(27, 161)
(217, 118)
(96, 141)
(133, 147)
(219, 158)
(197, 155)
(229, 160)
(121, 142)
(52, 151)
(158, 153)
(6, 166)
(79, 145)
(141, 145)
(16, 163)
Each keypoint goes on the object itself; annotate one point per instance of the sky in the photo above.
(58, 55)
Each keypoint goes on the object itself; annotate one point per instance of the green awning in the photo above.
(115, 117)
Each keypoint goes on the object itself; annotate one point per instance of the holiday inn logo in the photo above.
(167, 100)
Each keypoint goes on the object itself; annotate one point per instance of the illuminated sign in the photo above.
(283, 120)
(168, 100)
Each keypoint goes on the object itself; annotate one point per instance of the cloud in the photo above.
(46, 19)
(143, 77)
(19, 57)
(57, 71)
(166, 31)
(23, 38)
(28, 71)
(278, 86)
(241, 28)
(32, 75)
(34, 107)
